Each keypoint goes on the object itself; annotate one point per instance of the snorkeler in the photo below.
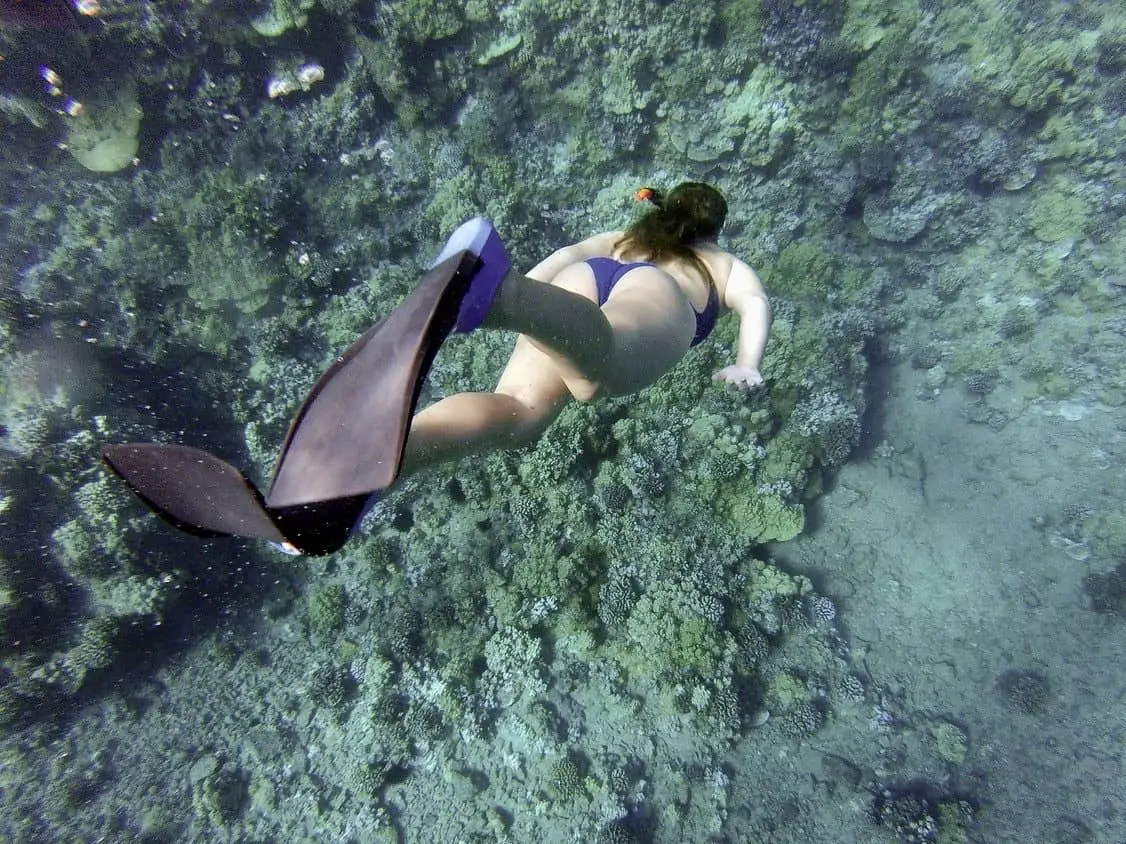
(604, 317)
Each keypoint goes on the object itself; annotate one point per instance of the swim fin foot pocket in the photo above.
(346, 442)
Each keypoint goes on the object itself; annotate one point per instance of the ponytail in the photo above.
(692, 212)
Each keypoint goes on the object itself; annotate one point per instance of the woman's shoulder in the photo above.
(730, 272)
(719, 262)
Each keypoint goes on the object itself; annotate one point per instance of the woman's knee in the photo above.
(530, 420)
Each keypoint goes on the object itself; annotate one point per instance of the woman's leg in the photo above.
(562, 316)
(528, 398)
(569, 347)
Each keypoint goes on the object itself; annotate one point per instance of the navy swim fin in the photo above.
(347, 440)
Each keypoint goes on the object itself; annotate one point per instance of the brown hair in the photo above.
(692, 211)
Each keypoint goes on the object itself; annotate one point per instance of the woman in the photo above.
(604, 317)
(608, 316)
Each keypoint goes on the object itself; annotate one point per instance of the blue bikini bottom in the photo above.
(607, 273)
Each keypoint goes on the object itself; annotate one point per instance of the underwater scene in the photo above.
(848, 565)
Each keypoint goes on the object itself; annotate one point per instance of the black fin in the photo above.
(348, 438)
(193, 490)
(345, 443)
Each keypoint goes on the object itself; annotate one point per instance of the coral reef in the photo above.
(1107, 590)
(189, 253)
(1025, 690)
(919, 813)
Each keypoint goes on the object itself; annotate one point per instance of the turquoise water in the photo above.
(878, 599)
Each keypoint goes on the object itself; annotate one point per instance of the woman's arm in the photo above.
(746, 296)
(592, 247)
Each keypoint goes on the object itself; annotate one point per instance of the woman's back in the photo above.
(686, 274)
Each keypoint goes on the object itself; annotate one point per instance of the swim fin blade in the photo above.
(345, 442)
(193, 490)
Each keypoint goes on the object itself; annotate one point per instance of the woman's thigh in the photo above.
(532, 378)
(535, 369)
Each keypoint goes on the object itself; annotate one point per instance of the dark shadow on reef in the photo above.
(873, 424)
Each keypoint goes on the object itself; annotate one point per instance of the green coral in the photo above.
(369, 778)
(103, 138)
(867, 23)
(743, 22)
(622, 90)
(566, 780)
(499, 48)
(97, 645)
(214, 257)
(804, 272)
(220, 797)
(1111, 48)
(282, 16)
(782, 360)
(788, 459)
(545, 573)
(766, 518)
(226, 200)
(955, 817)
(1067, 138)
(340, 8)
(136, 598)
(1058, 214)
(756, 123)
(96, 649)
(880, 97)
(562, 449)
(420, 21)
(102, 505)
(981, 357)
(326, 610)
(455, 201)
(227, 270)
(672, 638)
(686, 383)
(1040, 368)
(75, 547)
(951, 742)
(768, 583)
(785, 691)
(1040, 75)
(759, 117)
(1107, 531)
(479, 11)
(13, 709)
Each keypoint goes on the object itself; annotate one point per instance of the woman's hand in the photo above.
(742, 378)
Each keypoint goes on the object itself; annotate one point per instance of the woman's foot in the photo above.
(479, 237)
